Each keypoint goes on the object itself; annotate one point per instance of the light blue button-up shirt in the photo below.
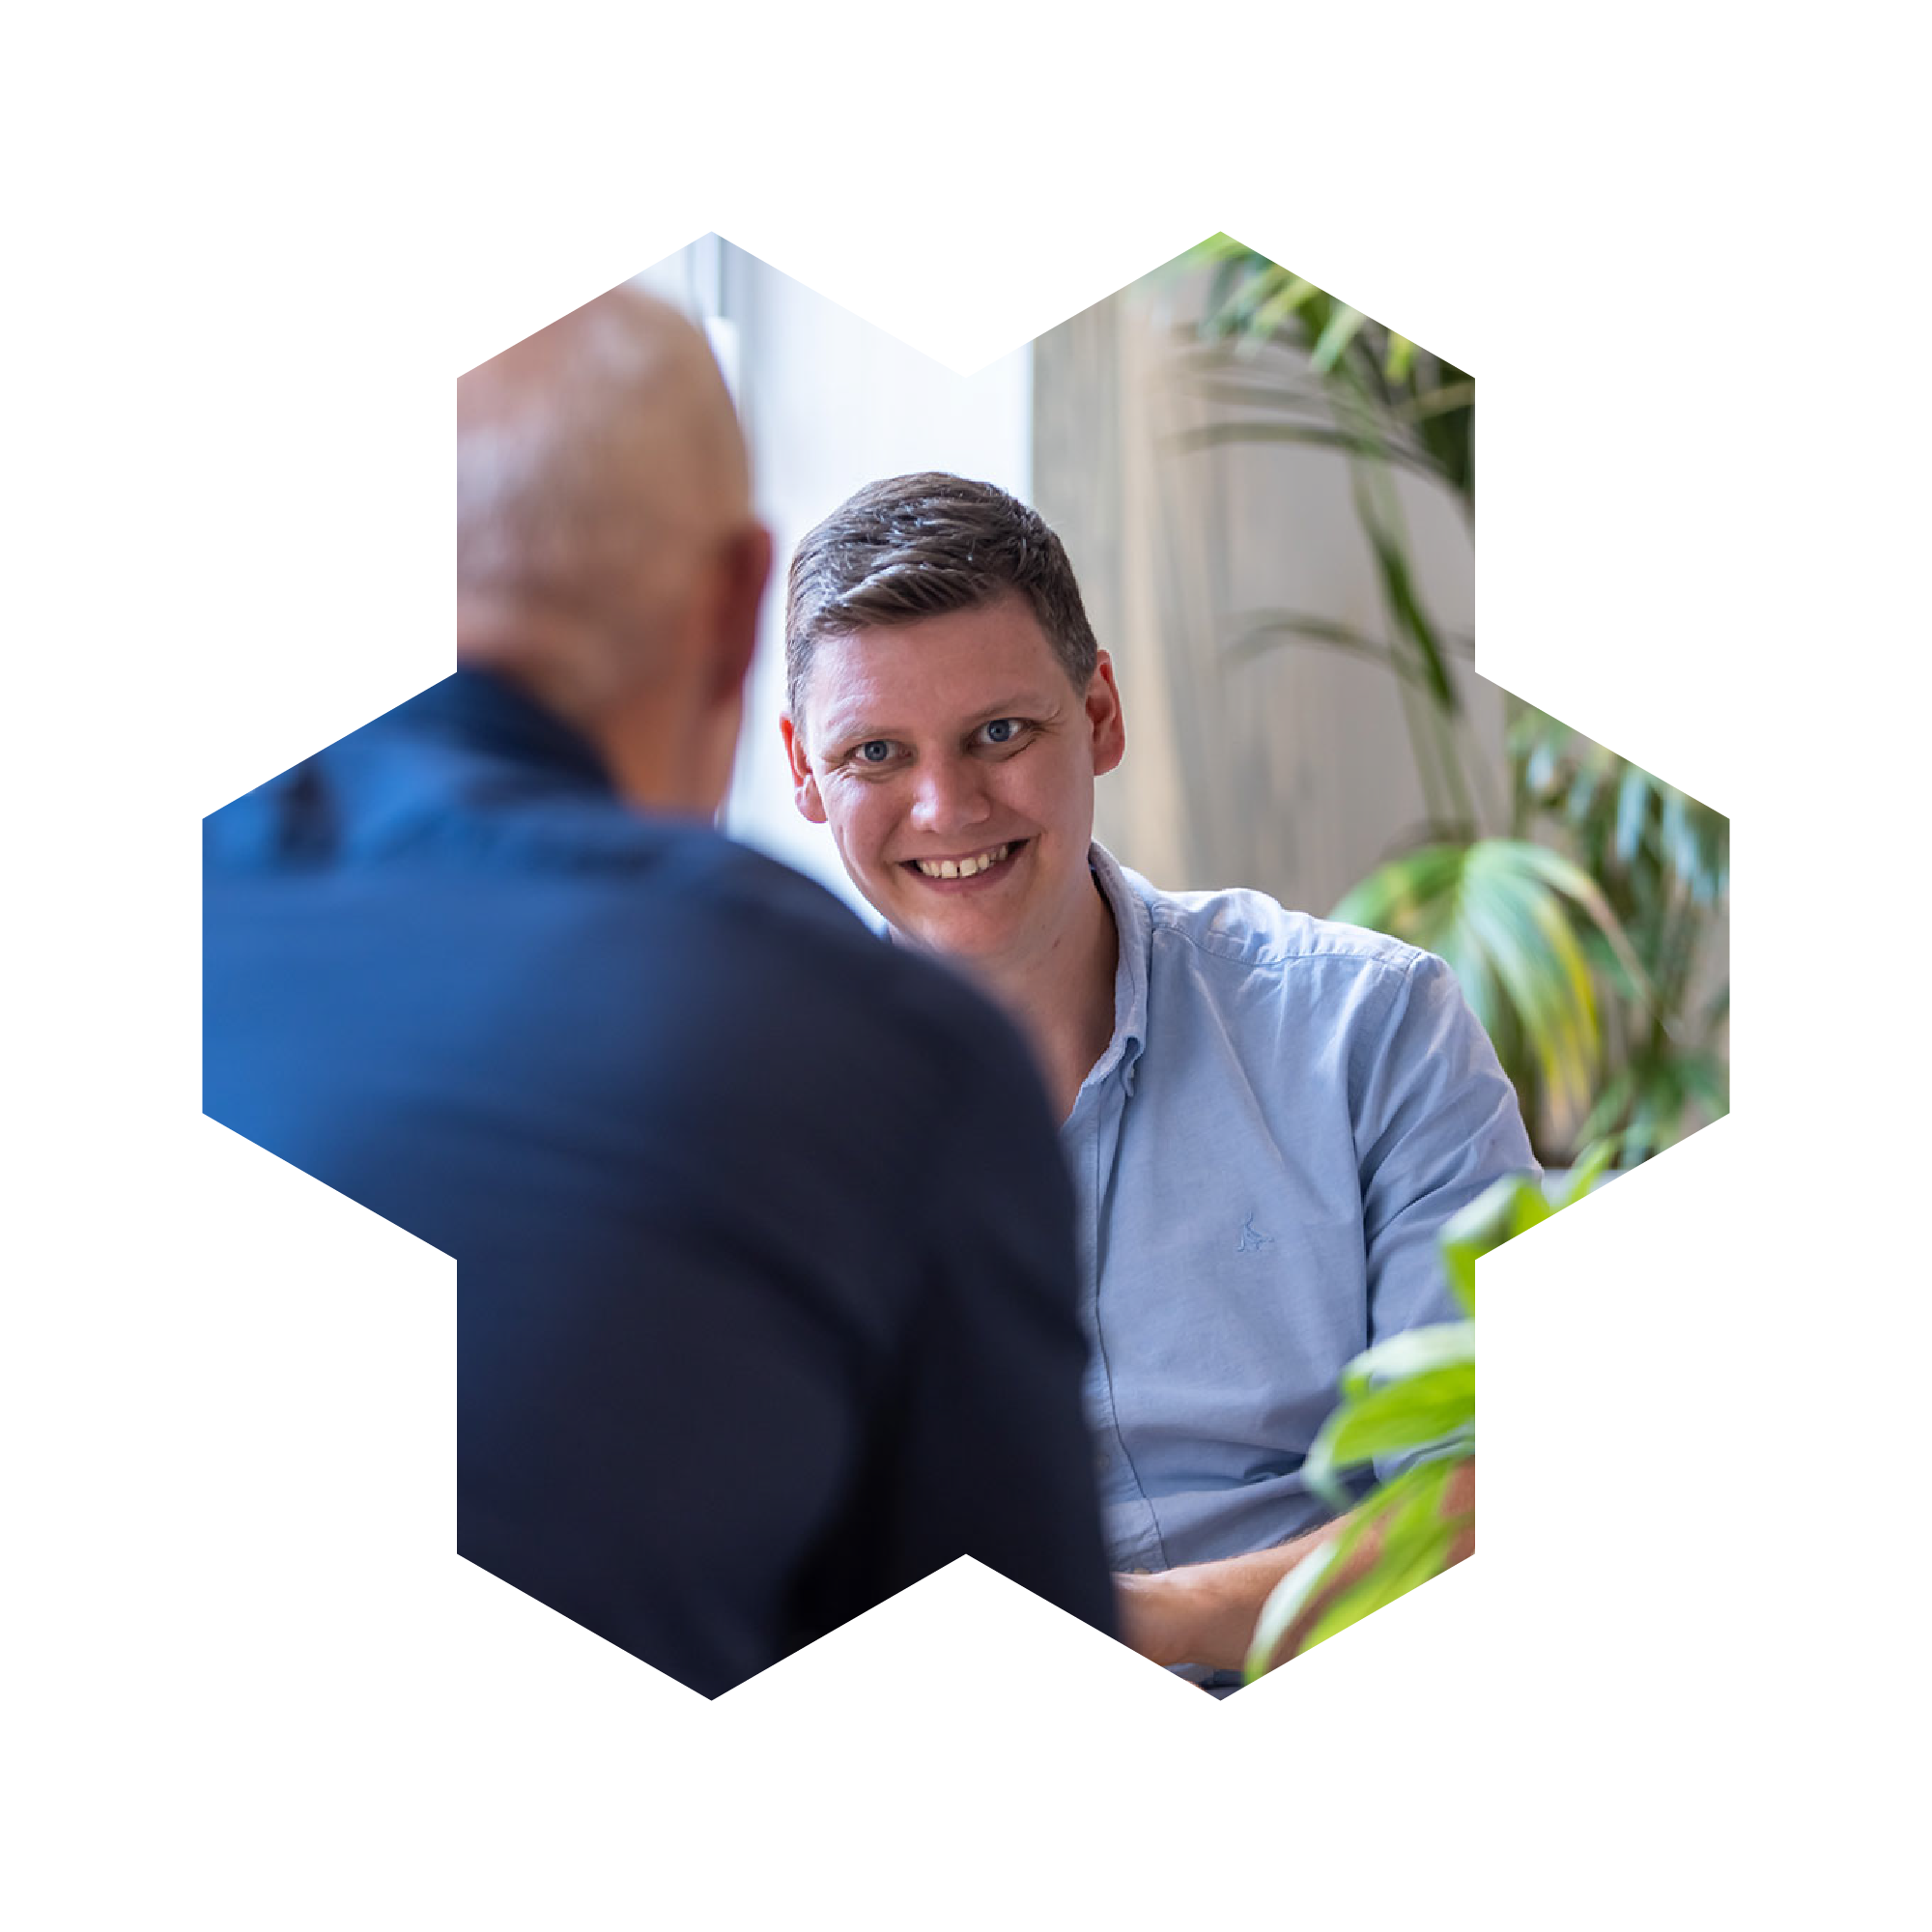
(1286, 1115)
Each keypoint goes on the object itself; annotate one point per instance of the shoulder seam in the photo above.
(1403, 959)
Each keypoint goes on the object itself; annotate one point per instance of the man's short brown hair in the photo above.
(924, 546)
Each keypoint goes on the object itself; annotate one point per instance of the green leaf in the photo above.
(1591, 1166)
(1704, 1079)
(1353, 444)
(1407, 1510)
(1295, 624)
(1423, 1410)
(1336, 335)
(1436, 1344)
(1532, 947)
(1265, 629)
(1218, 246)
(1255, 293)
(1506, 915)
(1633, 794)
(1293, 294)
(1399, 588)
(1612, 1104)
(1409, 894)
(1569, 879)
(1408, 1559)
(1502, 1210)
(1442, 402)
(1217, 318)
(1400, 358)
(1679, 848)
(1285, 1602)
(1591, 771)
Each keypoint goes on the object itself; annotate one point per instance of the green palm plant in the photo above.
(1384, 404)
(1515, 921)
(1580, 937)
(1663, 860)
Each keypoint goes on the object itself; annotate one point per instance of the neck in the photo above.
(662, 749)
(667, 758)
(1063, 1000)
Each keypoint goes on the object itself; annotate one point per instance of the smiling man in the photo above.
(1268, 1116)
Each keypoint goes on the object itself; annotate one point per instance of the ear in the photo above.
(803, 787)
(744, 568)
(1104, 716)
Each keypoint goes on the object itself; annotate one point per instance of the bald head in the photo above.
(603, 527)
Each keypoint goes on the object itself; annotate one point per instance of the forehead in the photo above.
(934, 673)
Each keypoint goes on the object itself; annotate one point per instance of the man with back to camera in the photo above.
(766, 1294)
(1268, 1116)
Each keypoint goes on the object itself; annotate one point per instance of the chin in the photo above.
(958, 939)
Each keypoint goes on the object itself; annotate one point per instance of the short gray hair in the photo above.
(924, 546)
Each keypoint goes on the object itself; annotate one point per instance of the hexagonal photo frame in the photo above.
(1267, 500)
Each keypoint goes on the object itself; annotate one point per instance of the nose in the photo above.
(949, 796)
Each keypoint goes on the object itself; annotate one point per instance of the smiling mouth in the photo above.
(968, 867)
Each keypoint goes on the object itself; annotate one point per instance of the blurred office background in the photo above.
(1269, 503)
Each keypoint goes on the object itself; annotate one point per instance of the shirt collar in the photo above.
(481, 709)
(1133, 924)
(1133, 927)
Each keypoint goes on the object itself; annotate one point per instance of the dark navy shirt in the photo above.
(766, 1278)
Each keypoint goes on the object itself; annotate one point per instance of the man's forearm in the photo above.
(1206, 1612)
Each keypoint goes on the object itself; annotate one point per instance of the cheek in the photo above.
(1043, 792)
(861, 816)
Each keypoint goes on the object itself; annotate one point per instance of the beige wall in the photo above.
(1288, 769)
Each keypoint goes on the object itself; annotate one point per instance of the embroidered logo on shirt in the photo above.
(1252, 1240)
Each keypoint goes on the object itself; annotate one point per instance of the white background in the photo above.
(252, 1686)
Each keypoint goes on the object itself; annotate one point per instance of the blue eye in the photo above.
(1003, 730)
(874, 751)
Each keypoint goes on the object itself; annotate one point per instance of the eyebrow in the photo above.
(1024, 705)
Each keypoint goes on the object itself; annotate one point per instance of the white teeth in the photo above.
(962, 868)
